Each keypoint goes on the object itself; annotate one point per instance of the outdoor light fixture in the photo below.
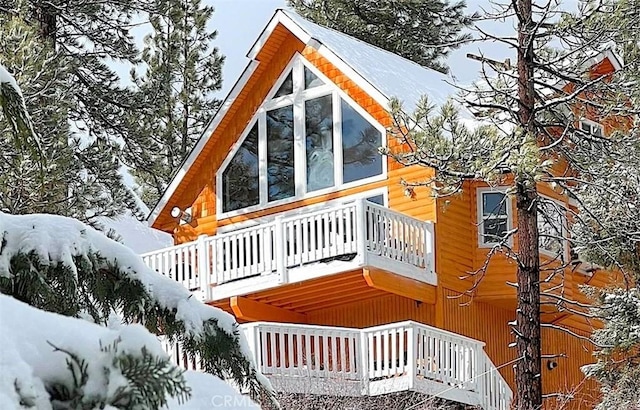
(176, 212)
(409, 192)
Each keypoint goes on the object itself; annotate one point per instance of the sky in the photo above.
(239, 23)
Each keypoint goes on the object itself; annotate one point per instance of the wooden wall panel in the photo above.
(455, 238)
(372, 312)
(488, 323)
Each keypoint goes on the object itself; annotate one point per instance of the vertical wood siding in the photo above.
(373, 312)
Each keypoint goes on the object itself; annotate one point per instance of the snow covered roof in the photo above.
(391, 74)
(378, 72)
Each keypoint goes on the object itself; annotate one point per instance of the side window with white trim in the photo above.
(592, 128)
(240, 180)
(493, 216)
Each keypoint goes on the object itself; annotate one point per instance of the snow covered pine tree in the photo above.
(174, 94)
(71, 274)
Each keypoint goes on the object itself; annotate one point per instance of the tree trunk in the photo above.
(47, 22)
(527, 329)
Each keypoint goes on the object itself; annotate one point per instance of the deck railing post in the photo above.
(478, 376)
(252, 334)
(412, 346)
(280, 247)
(429, 251)
(361, 230)
(203, 267)
(363, 357)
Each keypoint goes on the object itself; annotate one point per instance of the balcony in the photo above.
(294, 248)
(405, 356)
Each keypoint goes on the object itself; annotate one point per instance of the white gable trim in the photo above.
(303, 36)
(334, 59)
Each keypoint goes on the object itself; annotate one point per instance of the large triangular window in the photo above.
(306, 139)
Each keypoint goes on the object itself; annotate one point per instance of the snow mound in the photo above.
(57, 239)
(30, 359)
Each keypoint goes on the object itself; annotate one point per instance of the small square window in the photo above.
(493, 217)
(592, 128)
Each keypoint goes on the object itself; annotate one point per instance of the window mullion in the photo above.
(262, 155)
(337, 139)
(299, 155)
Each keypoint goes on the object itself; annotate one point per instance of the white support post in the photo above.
(203, 267)
(363, 357)
(280, 247)
(361, 231)
(429, 248)
(479, 378)
(411, 357)
(252, 334)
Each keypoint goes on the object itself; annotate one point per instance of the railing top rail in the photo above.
(240, 231)
(411, 323)
(320, 211)
(168, 248)
(408, 323)
(300, 326)
(391, 211)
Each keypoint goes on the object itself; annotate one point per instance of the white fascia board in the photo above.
(278, 17)
(202, 141)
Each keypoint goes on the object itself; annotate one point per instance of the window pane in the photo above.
(378, 199)
(494, 216)
(311, 80)
(494, 204)
(360, 143)
(280, 163)
(287, 86)
(319, 142)
(240, 180)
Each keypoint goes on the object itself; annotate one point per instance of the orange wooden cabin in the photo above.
(347, 282)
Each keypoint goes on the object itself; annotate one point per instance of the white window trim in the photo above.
(297, 98)
(591, 124)
(480, 214)
(565, 230)
(306, 209)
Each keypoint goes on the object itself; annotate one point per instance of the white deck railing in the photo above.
(360, 232)
(397, 357)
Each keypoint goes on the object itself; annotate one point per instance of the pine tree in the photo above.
(76, 102)
(424, 31)
(533, 111)
(48, 169)
(82, 273)
(606, 231)
(175, 93)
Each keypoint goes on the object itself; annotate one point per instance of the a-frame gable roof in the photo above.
(379, 73)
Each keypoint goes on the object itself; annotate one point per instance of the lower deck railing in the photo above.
(384, 359)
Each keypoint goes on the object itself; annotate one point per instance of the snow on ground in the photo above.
(58, 239)
(29, 361)
(209, 392)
